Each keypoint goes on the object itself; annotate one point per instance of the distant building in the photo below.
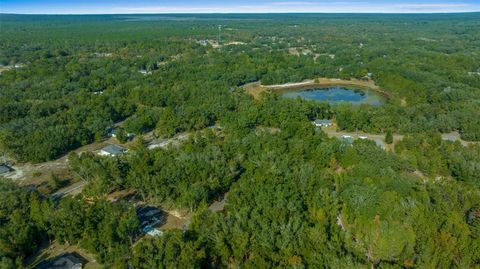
(323, 123)
(367, 77)
(203, 42)
(363, 137)
(112, 150)
(64, 261)
(4, 169)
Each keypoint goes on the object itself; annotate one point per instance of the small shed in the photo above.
(112, 150)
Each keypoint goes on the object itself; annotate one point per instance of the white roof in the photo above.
(152, 231)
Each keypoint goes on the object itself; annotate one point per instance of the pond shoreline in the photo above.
(256, 89)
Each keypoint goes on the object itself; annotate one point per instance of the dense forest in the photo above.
(296, 197)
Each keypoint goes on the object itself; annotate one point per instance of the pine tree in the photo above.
(389, 137)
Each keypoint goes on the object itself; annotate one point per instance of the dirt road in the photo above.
(36, 174)
(69, 190)
(164, 143)
(380, 138)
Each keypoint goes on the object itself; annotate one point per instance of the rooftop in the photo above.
(149, 216)
(64, 261)
(323, 122)
(114, 149)
(5, 169)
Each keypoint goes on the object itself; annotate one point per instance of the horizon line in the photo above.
(239, 13)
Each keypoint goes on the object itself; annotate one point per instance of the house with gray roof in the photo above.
(4, 169)
(149, 217)
(64, 261)
(112, 150)
(323, 123)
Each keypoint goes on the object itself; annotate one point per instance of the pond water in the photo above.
(334, 95)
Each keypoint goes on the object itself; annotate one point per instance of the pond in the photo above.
(338, 94)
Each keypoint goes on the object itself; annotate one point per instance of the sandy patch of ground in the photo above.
(164, 143)
(235, 43)
(455, 136)
(5, 68)
(174, 223)
(293, 51)
(37, 174)
(299, 51)
(73, 189)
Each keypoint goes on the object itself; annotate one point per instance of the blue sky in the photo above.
(228, 6)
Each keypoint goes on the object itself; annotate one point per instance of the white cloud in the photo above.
(293, 3)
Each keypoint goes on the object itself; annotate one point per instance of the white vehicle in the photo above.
(363, 137)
